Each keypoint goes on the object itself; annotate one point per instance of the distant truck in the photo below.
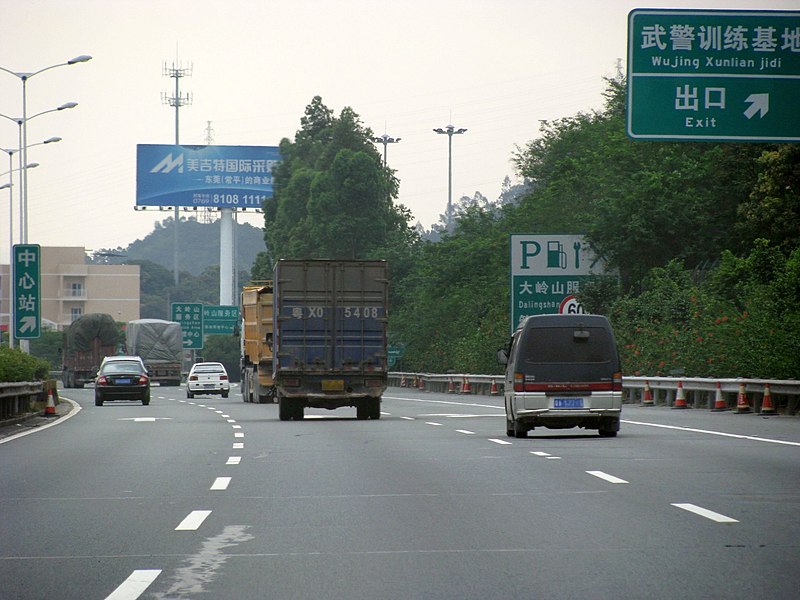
(330, 335)
(86, 342)
(160, 345)
(256, 343)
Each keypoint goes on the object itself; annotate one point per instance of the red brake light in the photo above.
(223, 377)
(617, 382)
(193, 378)
(102, 380)
(143, 379)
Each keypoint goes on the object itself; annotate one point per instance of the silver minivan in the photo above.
(562, 371)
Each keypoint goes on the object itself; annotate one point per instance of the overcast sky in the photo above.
(495, 67)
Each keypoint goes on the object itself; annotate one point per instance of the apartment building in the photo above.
(70, 288)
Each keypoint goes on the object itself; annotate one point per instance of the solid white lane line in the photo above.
(501, 442)
(606, 476)
(753, 438)
(465, 432)
(234, 460)
(704, 512)
(221, 483)
(135, 585)
(238, 445)
(193, 521)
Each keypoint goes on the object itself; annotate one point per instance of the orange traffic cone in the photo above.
(719, 401)
(451, 387)
(647, 399)
(466, 387)
(403, 382)
(767, 408)
(680, 397)
(50, 409)
(493, 391)
(742, 405)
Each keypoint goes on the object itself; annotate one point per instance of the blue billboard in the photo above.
(204, 176)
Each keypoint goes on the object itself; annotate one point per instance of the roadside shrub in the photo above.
(16, 365)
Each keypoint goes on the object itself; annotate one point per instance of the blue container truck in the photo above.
(330, 330)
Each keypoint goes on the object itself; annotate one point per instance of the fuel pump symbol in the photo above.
(556, 257)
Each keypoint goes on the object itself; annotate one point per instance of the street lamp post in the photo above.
(24, 77)
(23, 196)
(385, 140)
(10, 186)
(450, 131)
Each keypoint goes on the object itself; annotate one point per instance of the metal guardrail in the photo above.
(16, 398)
(700, 392)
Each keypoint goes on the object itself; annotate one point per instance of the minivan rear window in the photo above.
(549, 345)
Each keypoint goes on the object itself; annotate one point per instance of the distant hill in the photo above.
(198, 245)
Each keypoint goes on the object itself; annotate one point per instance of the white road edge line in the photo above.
(704, 512)
(221, 483)
(76, 408)
(606, 476)
(737, 436)
(193, 520)
(135, 585)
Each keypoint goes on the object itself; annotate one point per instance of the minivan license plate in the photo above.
(568, 403)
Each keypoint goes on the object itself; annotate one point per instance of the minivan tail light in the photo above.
(519, 382)
(617, 382)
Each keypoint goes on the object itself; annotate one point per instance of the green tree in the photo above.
(333, 197)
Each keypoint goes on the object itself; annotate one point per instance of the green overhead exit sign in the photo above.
(705, 75)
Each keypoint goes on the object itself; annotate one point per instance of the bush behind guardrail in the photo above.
(16, 365)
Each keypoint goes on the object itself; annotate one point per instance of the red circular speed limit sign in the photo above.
(570, 306)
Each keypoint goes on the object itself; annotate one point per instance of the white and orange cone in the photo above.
(680, 397)
(767, 407)
(719, 402)
(742, 405)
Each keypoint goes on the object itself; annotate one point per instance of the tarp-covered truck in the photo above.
(330, 329)
(256, 343)
(86, 342)
(160, 345)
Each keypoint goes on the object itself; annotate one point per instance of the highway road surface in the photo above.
(215, 498)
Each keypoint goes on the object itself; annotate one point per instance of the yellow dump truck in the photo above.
(256, 343)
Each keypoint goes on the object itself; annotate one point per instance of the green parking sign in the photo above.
(27, 291)
(190, 317)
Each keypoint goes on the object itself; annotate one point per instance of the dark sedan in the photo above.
(122, 380)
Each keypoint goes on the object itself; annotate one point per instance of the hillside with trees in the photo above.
(704, 237)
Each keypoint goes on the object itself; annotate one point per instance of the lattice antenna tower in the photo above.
(207, 215)
(177, 71)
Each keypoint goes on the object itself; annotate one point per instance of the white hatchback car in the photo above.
(207, 378)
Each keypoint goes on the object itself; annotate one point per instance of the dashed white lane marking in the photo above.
(408, 418)
(238, 445)
(193, 521)
(465, 432)
(606, 476)
(704, 512)
(433, 423)
(238, 434)
(221, 483)
(231, 420)
(501, 442)
(234, 460)
(135, 585)
(226, 416)
(236, 426)
(542, 454)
